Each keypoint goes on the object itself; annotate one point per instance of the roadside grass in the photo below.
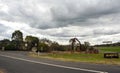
(110, 49)
(82, 57)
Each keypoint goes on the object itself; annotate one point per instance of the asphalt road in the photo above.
(19, 62)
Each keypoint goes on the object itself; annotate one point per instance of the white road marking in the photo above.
(73, 68)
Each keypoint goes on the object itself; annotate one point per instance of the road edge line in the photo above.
(55, 65)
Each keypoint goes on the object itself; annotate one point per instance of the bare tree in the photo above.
(73, 42)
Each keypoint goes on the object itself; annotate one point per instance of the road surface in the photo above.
(19, 62)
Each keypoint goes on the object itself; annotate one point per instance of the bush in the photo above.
(42, 47)
(10, 47)
(92, 50)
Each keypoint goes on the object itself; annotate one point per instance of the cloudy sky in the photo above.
(59, 20)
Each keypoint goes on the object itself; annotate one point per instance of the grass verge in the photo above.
(79, 57)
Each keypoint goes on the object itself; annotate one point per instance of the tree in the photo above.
(43, 47)
(87, 44)
(17, 38)
(31, 42)
(17, 35)
(55, 46)
(73, 42)
(12, 46)
(48, 43)
(4, 43)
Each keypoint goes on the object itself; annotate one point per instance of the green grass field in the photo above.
(82, 57)
(109, 49)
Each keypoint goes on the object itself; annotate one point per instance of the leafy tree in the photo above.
(55, 46)
(46, 41)
(87, 45)
(43, 47)
(8, 45)
(11, 46)
(17, 35)
(17, 38)
(4, 43)
(31, 42)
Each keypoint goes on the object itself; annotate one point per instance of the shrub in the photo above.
(42, 47)
(10, 47)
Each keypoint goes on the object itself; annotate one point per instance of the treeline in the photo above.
(33, 43)
(30, 43)
(107, 45)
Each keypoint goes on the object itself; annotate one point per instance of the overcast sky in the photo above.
(59, 20)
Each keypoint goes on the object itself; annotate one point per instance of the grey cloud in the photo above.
(61, 13)
(3, 30)
(104, 31)
(67, 34)
(78, 14)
